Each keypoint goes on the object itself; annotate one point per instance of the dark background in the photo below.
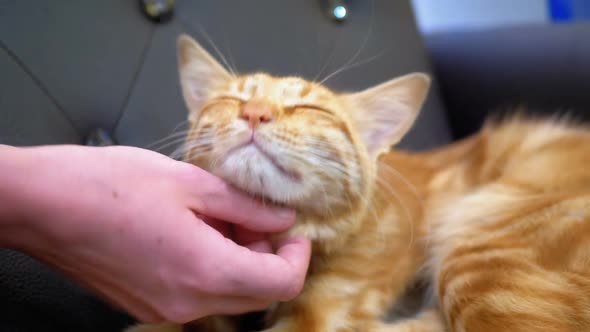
(74, 65)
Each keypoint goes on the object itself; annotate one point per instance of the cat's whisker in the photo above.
(173, 133)
(408, 216)
(194, 146)
(232, 61)
(179, 151)
(322, 145)
(392, 171)
(168, 141)
(315, 142)
(361, 47)
(203, 143)
(323, 188)
(210, 41)
(200, 140)
(173, 137)
(351, 66)
(384, 186)
(326, 162)
(336, 178)
(179, 154)
(178, 140)
(328, 60)
(372, 210)
(195, 149)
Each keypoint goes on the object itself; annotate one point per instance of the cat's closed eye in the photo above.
(309, 109)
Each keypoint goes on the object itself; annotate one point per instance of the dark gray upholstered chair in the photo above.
(545, 68)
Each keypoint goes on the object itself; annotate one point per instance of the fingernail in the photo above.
(285, 213)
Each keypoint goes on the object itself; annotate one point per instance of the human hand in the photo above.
(123, 221)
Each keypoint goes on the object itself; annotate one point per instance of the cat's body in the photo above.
(510, 231)
(497, 222)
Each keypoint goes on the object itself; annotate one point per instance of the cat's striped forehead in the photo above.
(287, 91)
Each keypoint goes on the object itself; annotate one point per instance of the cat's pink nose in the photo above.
(255, 112)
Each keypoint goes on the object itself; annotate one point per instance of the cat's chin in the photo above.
(259, 174)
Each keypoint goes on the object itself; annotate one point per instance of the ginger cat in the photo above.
(497, 222)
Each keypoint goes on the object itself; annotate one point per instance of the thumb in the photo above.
(262, 275)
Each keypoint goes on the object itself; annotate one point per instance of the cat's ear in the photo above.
(200, 74)
(386, 112)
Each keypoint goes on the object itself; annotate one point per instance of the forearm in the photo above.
(16, 196)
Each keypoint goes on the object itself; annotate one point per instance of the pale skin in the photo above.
(146, 232)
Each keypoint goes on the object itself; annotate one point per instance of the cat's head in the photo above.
(289, 140)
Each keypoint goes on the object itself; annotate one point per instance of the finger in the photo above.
(262, 246)
(213, 197)
(243, 236)
(254, 241)
(277, 276)
(297, 253)
(220, 226)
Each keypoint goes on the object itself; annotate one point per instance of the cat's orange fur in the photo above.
(499, 221)
(510, 229)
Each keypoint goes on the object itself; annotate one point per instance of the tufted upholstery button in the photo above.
(158, 10)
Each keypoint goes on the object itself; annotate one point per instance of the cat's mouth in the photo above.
(254, 166)
(259, 148)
